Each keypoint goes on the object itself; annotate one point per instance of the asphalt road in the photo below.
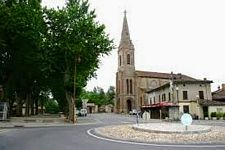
(76, 138)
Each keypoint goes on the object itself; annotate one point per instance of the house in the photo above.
(177, 97)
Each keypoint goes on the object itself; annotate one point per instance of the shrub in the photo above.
(213, 114)
(219, 115)
(52, 107)
(223, 115)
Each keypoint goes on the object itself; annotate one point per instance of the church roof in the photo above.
(148, 74)
(180, 81)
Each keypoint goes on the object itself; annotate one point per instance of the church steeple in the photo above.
(125, 77)
(126, 49)
(125, 35)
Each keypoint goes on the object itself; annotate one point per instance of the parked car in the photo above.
(133, 112)
(83, 112)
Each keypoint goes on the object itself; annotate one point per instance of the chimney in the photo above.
(223, 87)
(204, 79)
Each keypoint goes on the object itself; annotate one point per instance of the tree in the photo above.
(110, 95)
(48, 50)
(99, 97)
(21, 37)
(73, 34)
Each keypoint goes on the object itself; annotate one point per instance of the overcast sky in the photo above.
(183, 36)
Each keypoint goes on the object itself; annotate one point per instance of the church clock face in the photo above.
(153, 84)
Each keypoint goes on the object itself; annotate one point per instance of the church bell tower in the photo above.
(125, 77)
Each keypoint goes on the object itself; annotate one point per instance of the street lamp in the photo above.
(76, 60)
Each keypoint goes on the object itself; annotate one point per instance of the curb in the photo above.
(23, 126)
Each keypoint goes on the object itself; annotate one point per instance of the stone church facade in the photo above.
(131, 84)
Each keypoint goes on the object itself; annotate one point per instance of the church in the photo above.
(132, 85)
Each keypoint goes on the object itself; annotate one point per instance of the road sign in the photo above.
(186, 119)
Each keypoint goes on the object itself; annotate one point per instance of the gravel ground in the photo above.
(126, 132)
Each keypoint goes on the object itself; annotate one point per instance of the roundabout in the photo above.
(143, 134)
(175, 128)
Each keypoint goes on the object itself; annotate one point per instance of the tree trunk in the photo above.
(32, 106)
(19, 106)
(28, 98)
(42, 108)
(36, 106)
(19, 109)
(71, 109)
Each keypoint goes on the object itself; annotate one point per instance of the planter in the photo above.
(206, 118)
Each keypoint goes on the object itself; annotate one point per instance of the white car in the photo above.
(133, 112)
(83, 112)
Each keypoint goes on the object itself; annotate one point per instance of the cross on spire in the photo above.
(125, 12)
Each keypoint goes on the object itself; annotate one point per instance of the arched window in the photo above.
(127, 84)
(128, 59)
(131, 87)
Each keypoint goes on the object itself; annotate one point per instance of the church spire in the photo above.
(125, 35)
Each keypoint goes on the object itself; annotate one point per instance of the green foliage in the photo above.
(99, 97)
(51, 107)
(110, 95)
(213, 114)
(219, 115)
(40, 49)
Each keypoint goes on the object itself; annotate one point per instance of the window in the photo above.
(201, 94)
(186, 109)
(131, 87)
(154, 100)
(120, 61)
(141, 100)
(185, 95)
(159, 99)
(128, 59)
(127, 83)
(169, 96)
(150, 101)
(219, 110)
(164, 97)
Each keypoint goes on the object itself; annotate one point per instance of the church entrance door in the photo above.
(129, 105)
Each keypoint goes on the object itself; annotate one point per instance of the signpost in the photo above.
(186, 120)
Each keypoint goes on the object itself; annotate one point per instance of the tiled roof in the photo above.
(204, 102)
(180, 81)
(218, 95)
(162, 75)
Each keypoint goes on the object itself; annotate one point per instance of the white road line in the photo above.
(156, 145)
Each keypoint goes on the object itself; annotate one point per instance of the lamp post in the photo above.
(76, 60)
(198, 106)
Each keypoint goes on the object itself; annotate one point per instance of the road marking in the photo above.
(155, 145)
(4, 130)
